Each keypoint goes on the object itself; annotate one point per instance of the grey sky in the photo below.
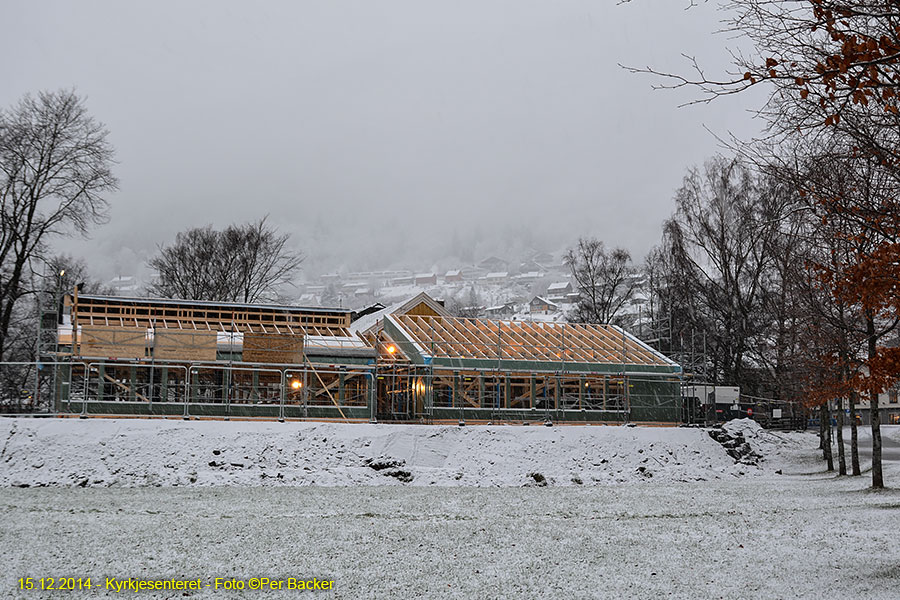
(374, 130)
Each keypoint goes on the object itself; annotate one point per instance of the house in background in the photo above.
(528, 277)
(558, 291)
(540, 305)
(426, 279)
(125, 286)
(453, 276)
(530, 265)
(501, 311)
(496, 278)
(888, 407)
(401, 281)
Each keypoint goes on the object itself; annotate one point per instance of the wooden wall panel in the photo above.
(273, 348)
(422, 309)
(172, 344)
(113, 342)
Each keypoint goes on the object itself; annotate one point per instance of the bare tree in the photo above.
(331, 296)
(63, 272)
(59, 274)
(263, 261)
(832, 69)
(828, 66)
(859, 212)
(55, 166)
(606, 280)
(468, 305)
(721, 246)
(243, 263)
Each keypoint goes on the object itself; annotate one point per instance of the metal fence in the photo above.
(395, 392)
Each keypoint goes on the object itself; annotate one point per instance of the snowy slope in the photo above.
(135, 452)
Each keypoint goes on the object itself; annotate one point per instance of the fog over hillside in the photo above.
(381, 135)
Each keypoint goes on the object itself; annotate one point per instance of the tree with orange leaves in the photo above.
(859, 274)
(832, 68)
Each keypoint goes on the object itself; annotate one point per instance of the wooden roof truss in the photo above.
(460, 338)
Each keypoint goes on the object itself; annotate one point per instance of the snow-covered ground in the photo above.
(136, 452)
(799, 534)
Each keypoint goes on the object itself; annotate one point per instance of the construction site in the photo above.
(411, 362)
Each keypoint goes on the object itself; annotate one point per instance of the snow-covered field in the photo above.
(135, 452)
(699, 526)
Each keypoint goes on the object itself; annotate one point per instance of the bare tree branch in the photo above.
(243, 263)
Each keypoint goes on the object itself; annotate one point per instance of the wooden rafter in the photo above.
(453, 337)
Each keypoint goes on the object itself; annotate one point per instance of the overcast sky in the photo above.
(380, 132)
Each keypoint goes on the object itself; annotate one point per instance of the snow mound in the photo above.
(735, 444)
(747, 442)
(142, 452)
(745, 427)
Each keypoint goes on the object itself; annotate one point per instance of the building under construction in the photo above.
(411, 362)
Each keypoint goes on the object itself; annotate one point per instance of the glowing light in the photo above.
(62, 272)
(391, 349)
(296, 384)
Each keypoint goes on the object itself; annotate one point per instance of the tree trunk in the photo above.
(877, 476)
(825, 416)
(854, 437)
(821, 433)
(842, 459)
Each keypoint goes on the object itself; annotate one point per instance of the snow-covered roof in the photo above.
(558, 285)
(497, 275)
(363, 324)
(333, 341)
(543, 300)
